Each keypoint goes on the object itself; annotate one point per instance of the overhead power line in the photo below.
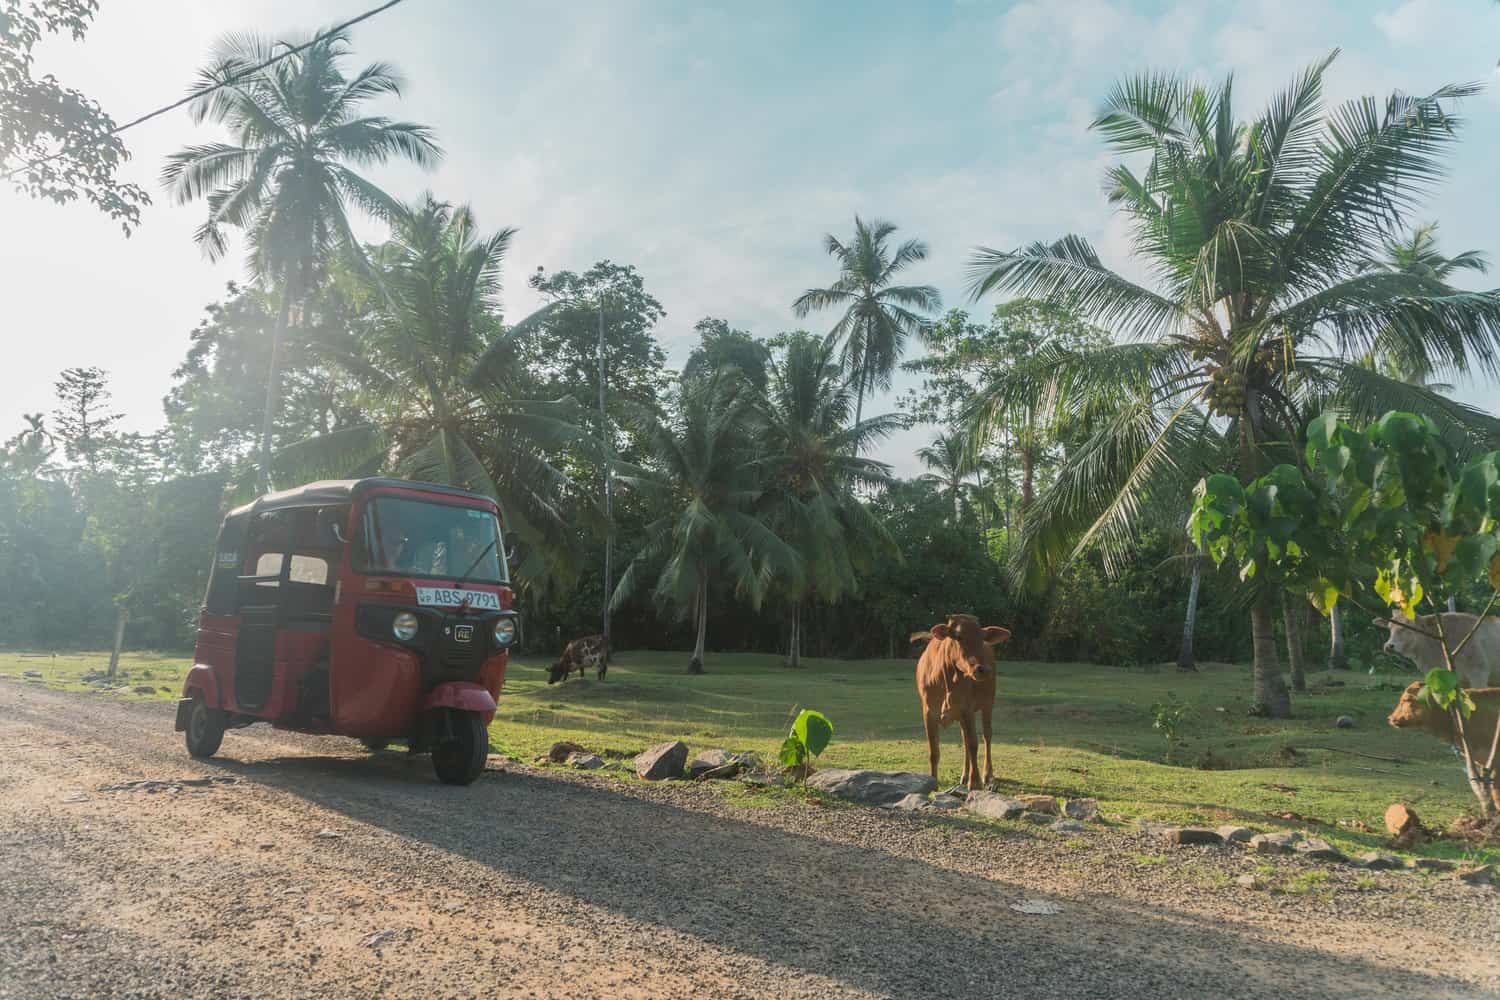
(227, 82)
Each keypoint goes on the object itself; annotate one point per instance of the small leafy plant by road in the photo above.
(1167, 718)
(811, 733)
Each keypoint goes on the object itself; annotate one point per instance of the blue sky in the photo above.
(711, 145)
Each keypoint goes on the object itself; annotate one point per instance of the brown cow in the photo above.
(580, 654)
(955, 679)
(1411, 712)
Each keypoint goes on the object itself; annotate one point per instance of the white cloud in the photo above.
(1411, 22)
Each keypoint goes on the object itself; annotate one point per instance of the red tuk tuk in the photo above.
(372, 608)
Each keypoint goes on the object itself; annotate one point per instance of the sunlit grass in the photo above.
(1067, 729)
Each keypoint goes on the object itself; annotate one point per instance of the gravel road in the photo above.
(308, 867)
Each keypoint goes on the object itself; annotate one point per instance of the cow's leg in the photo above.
(934, 727)
(984, 719)
(970, 778)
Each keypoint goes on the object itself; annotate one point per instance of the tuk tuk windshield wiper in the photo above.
(458, 584)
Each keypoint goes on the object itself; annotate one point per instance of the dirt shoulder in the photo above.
(308, 868)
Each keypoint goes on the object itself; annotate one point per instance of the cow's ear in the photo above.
(1380, 623)
(941, 631)
(994, 634)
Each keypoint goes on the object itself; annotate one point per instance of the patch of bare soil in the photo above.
(293, 866)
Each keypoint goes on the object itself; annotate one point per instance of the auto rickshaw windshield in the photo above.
(424, 538)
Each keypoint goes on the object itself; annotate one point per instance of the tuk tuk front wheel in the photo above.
(205, 729)
(459, 757)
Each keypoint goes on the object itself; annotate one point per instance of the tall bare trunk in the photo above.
(794, 649)
(121, 616)
(273, 379)
(1185, 659)
(1338, 659)
(1270, 694)
(695, 665)
(1293, 643)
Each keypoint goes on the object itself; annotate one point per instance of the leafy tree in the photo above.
(878, 316)
(216, 402)
(809, 456)
(287, 177)
(444, 382)
(721, 346)
(81, 419)
(1257, 234)
(701, 474)
(1386, 513)
(55, 142)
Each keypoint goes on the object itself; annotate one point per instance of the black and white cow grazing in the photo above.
(581, 654)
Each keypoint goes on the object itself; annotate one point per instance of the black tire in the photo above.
(205, 729)
(459, 760)
(374, 744)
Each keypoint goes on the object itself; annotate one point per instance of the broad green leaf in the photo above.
(814, 730)
(793, 752)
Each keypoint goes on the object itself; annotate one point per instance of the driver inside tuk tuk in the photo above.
(398, 551)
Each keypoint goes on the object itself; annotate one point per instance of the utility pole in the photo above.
(609, 514)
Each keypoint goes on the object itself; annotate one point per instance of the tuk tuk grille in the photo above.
(460, 658)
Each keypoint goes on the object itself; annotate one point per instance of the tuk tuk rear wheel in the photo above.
(205, 729)
(460, 759)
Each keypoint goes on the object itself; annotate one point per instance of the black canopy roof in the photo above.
(335, 491)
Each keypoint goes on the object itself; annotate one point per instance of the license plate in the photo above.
(444, 597)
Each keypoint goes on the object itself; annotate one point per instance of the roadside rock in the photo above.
(1040, 819)
(1401, 818)
(1318, 850)
(1040, 803)
(1279, 842)
(1236, 834)
(911, 803)
(663, 761)
(1184, 836)
(143, 689)
(1250, 882)
(1484, 875)
(871, 788)
(585, 761)
(993, 805)
(561, 750)
(1431, 864)
(1344, 722)
(708, 760)
(33, 674)
(733, 765)
(946, 803)
(1379, 861)
(1084, 809)
(1069, 826)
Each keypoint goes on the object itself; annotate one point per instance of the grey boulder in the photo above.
(993, 805)
(871, 788)
(665, 760)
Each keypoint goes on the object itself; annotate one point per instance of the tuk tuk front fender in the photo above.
(465, 696)
(201, 679)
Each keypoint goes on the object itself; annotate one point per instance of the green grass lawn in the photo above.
(1068, 729)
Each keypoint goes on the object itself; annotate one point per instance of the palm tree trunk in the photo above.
(1028, 471)
(695, 665)
(1270, 694)
(1338, 659)
(1293, 643)
(121, 617)
(794, 653)
(273, 380)
(1185, 658)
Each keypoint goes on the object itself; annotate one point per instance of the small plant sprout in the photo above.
(811, 733)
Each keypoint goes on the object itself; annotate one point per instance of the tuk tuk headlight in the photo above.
(505, 632)
(404, 627)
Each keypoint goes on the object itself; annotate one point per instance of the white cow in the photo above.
(1477, 664)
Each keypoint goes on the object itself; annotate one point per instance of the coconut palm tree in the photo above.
(701, 471)
(953, 464)
(811, 467)
(445, 381)
(1255, 234)
(288, 176)
(878, 316)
